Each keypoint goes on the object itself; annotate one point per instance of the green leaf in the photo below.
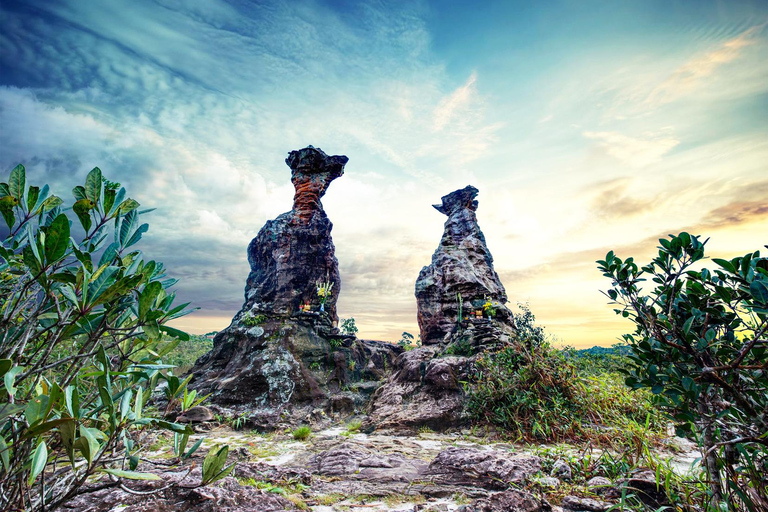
(4, 455)
(10, 377)
(214, 462)
(50, 203)
(176, 333)
(109, 199)
(32, 194)
(57, 239)
(147, 298)
(93, 184)
(759, 290)
(5, 365)
(39, 460)
(137, 235)
(79, 193)
(7, 204)
(100, 281)
(4, 190)
(72, 399)
(36, 409)
(127, 206)
(18, 181)
(130, 475)
(88, 443)
(109, 254)
(82, 209)
(727, 265)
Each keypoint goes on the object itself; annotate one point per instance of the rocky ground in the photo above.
(339, 469)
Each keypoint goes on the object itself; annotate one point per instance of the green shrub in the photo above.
(302, 433)
(700, 346)
(535, 392)
(250, 320)
(82, 322)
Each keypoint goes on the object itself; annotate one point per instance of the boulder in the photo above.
(488, 469)
(581, 504)
(507, 501)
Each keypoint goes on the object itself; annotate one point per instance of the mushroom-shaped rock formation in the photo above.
(460, 279)
(425, 388)
(277, 362)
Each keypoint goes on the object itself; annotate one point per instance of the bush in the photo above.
(82, 322)
(700, 346)
(535, 392)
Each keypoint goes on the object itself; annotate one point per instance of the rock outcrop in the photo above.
(426, 387)
(461, 277)
(277, 362)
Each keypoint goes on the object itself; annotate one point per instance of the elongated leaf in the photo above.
(127, 227)
(57, 239)
(4, 190)
(130, 475)
(109, 254)
(5, 365)
(72, 400)
(88, 443)
(7, 204)
(18, 182)
(82, 209)
(10, 378)
(109, 199)
(127, 206)
(147, 298)
(93, 184)
(39, 459)
(137, 235)
(101, 280)
(176, 333)
(4, 455)
(79, 193)
(118, 200)
(759, 290)
(32, 194)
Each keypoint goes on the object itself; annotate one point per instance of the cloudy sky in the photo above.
(587, 126)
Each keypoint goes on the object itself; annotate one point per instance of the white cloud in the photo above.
(634, 151)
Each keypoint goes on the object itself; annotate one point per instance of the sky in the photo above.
(586, 126)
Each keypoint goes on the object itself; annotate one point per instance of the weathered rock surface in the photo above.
(581, 504)
(275, 363)
(462, 264)
(507, 501)
(423, 391)
(228, 496)
(488, 469)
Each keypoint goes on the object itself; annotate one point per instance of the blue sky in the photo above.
(587, 126)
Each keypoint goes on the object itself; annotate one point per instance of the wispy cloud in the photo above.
(634, 151)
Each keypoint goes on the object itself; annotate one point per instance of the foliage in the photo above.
(250, 320)
(302, 433)
(214, 465)
(82, 318)
(535, 392)
(406, 339)
(599, 360)
(700, 347)
(184, 355)
(335, 343)
(348, 326)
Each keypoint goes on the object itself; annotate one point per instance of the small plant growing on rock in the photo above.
(302, 433)
(348, 326)
(406, 339)
(489, 308)
(335, 343)
(250, 320)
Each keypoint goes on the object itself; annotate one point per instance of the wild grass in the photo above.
(302, 433)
